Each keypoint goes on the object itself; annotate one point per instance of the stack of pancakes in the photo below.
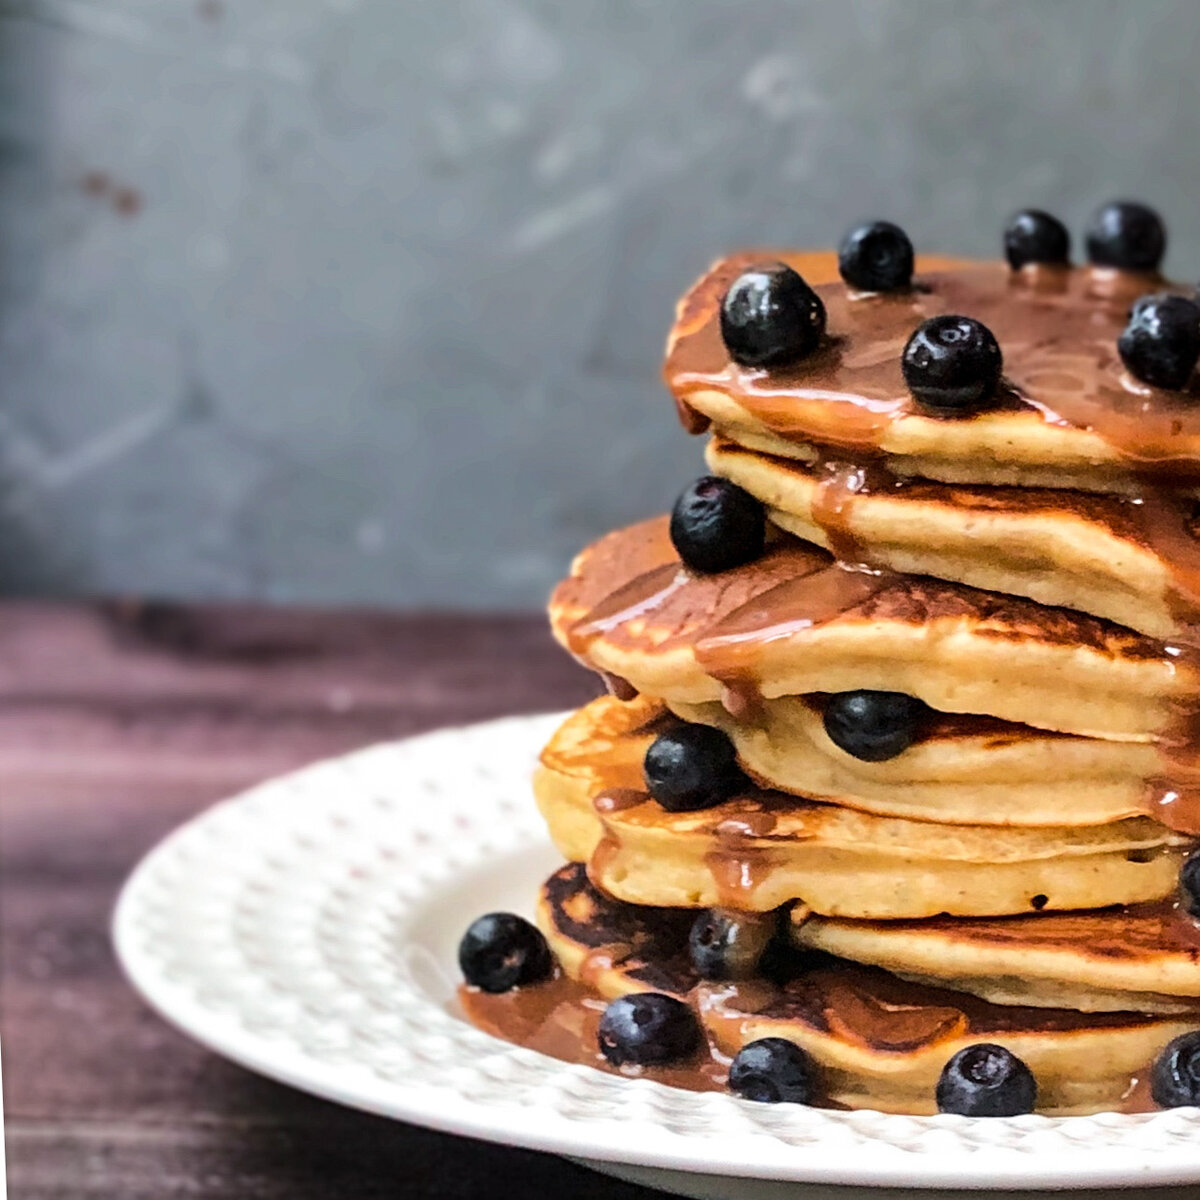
(1030, 574)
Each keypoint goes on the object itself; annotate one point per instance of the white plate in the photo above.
(307, 930)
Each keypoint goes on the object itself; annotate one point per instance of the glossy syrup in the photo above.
(1058, 330)
(561, 1018)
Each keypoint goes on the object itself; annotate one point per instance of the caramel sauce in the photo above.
(619, 688)
(738, 864)
(616, 800)
(1138, 1098)
(1173, 797)
(833, 509)
(602, 959)
(732, 645)
(862, 1018)
(742, 701)
(692, 421)
(561, 1018)
(1057, 329)
(642, 594)
(607, 849)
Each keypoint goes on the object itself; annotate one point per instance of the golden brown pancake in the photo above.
(964, 770)
(1144, 959)
(1068, 414)
(1133, 562)
(794, 623)
(762, 849)
(879, 1042)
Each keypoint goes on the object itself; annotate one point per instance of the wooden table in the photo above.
(116, 724)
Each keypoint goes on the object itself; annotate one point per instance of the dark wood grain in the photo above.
(116, 724)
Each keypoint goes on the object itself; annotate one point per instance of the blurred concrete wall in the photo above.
(363, 300)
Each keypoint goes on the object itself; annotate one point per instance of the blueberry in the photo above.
(1033, 236)
(501, 951)
(874, 726)
(986, 1081)
(773, 1069)
(690, 767)
(1126, 234)
(728, 945)
(952, 365)
(1189, 883)
(1161, 343)
(1175, 1076)
(716, 525)
(770, 316)
(647, 1028)
(877, 257)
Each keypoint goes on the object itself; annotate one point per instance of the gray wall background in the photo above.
(364, 300)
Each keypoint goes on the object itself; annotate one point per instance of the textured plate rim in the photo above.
(855, 1149)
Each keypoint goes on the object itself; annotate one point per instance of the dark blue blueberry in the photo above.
(1161, 343)
(877, 257)
(729, 945)
(874, 726)
(1189, 883)
(773, 1069)
(1033, 236)
(770, 316)
(501, 951)
(952, 365)
(1126, 234)
(716, 525)
(647, 1029)
(1175, 1076)
(690, 767)
(986, 1081)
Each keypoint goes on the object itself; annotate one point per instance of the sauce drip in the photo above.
(616, 800)
(1138, 1098)
(620, 689)
(833, 509)
(738, 864)
(608, 848)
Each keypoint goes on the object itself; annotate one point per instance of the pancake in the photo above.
(762, 849)
(879, 1042)
(793, 623)
(1068, 415)
(1144, 959)
(1137, 564)
(964, 770)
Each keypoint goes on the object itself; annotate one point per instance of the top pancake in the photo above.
(1069, 415)
(794, 623)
